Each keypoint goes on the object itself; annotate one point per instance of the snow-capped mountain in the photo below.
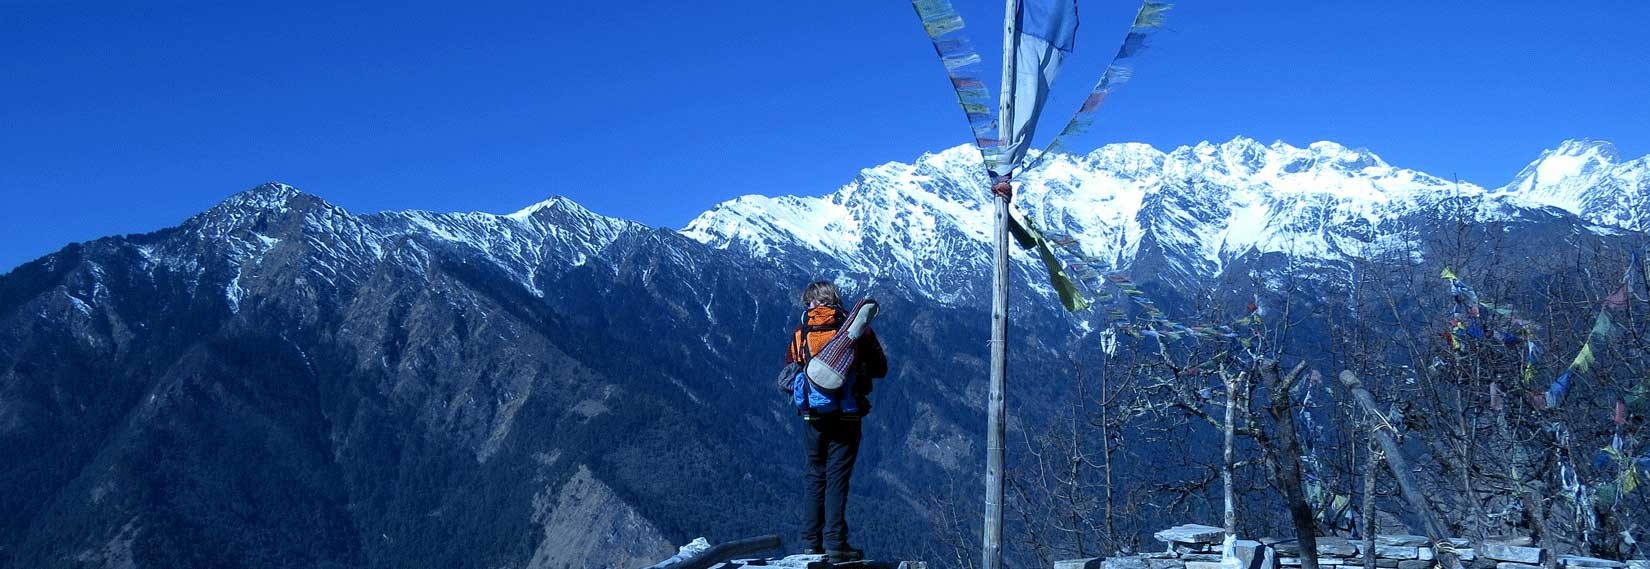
(1185, 214)
(1588, 178)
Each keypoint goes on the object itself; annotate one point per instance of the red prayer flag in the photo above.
(1618, 300)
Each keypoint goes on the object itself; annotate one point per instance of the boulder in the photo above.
(1512, 553)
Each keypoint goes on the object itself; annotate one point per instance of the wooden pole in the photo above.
(1399, 465)
(992, 552)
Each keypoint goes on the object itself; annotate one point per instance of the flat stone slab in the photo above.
(1511, 553)
(1327, 546)
(1409, 540)
(1336, 546)
(1252, 555)
(1399, 552)
(1200, 557)
(1414, 564)
(1511, 565)
(1203, 565)
(1579, 561)
(1191, 533)
(1639, 564)
(1090, 563)
(1139, 562)
(816, 562)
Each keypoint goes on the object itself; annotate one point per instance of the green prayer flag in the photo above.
(1069, 296)
(1026, 237)
(1602, 327)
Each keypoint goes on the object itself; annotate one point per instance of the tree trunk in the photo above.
(1371, 472)
(1228, 458)
(1228, 462)
(1285, 456)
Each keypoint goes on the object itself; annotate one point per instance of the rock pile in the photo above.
(1195, 546)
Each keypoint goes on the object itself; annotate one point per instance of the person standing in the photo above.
(831, 424)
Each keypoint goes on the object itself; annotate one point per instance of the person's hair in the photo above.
(822, 292)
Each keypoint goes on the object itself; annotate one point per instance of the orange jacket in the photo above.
(872, 362)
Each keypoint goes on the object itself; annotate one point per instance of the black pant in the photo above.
(832, 445)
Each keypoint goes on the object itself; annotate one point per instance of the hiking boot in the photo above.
(844, 555)
(814, 550)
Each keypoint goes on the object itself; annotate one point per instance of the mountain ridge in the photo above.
(1200, 206)
(430, 388)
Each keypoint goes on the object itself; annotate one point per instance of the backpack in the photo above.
(824, 382)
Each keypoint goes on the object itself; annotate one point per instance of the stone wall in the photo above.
(1199, 547)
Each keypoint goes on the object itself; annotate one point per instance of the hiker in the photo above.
(831, 415)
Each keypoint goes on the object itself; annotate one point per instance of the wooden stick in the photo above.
(1399, 465)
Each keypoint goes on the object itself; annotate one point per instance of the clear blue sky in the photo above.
(120, 117)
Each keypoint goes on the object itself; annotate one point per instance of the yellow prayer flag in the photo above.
(1584, 359)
